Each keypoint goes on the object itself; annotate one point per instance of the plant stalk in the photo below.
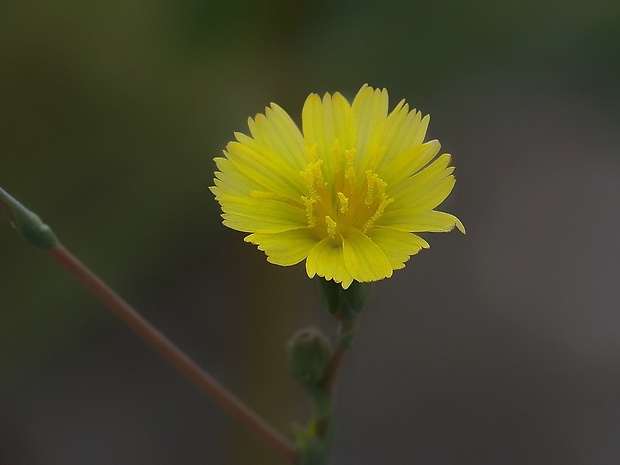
(175, 356)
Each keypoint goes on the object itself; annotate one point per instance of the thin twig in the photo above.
(6, 210)
(345, 330)
(328, 383)
(181, 361)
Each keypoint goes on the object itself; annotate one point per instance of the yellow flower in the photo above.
(345, 193)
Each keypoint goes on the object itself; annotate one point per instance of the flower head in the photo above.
(346, 193)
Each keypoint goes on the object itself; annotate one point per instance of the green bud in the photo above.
(345, 304)
(309, 354)
(27, 224)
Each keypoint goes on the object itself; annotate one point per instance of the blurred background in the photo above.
(501, 346)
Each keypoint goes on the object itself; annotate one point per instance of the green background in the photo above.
(500, 346)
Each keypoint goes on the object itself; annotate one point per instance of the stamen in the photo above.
(385, 201)
(370, 181)
(344, 203)
(349, 173)
(331, 227)
(309, 203)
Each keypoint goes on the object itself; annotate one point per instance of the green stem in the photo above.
(328, 383)
(315, 440)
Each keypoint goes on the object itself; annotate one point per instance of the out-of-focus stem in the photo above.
(175, 356)
(37, 233)
(6, 210)
(32, 229)
(329, 382)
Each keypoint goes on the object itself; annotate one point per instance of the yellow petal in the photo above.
(273, 176)
(426, 198)
(397, 246)
(260, 215)
(326, 260)
(229, 181)
(402, 131)
(423, 183)
(408, 162)
(324, 122)
(277, 131)
(363, 259)
(369, 112)
(285, 248)
(430, 221)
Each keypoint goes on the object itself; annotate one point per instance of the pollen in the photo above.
(358, 206)
(331, 227)
(344, 203)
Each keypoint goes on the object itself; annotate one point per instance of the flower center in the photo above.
(350, 197)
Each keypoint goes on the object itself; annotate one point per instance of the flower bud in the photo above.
(309, 353)
(27, 224)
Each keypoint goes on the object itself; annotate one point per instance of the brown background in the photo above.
(501, 346)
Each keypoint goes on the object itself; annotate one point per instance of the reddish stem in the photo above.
(331, 375)
(181, 361)
(6, 210)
